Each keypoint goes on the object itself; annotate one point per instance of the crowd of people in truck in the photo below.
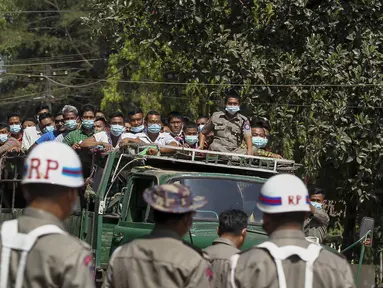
(225, 131)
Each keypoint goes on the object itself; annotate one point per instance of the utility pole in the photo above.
(48, 87)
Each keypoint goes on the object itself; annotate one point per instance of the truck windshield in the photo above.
(223, 194)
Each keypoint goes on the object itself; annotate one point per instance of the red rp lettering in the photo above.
(294, 200)
(35, 165)
(51, 165)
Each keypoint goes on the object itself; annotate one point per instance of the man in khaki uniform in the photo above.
(36, 251)
(162, 259)
(232, 234)
(287, 260)
(316, 225)
(230, 128)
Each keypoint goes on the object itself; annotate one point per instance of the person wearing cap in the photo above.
(316, 225)
(162, 259)
(36, 251)
(287, 259)
(232, 235)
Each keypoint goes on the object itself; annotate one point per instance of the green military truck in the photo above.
(113, 211)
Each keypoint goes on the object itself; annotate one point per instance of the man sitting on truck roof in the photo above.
(232, 235)
(260, 140)
(136, 121)
(176, 125)
(230, 128)
(152, 134)
(191, 135)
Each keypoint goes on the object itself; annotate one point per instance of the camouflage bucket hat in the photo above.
(173, 198)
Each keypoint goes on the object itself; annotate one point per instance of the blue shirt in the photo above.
(50, 136)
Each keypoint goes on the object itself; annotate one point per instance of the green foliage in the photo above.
(53, 42)
(306, 54)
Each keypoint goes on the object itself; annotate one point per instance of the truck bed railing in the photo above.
(212, 158)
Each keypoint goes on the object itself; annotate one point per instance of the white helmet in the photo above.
(53, 163)
(284, 193)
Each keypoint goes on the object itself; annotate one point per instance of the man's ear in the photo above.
(244, 232)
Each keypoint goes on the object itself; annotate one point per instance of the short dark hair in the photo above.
(14, 114)
(98, 110)
(31, 119)
(4, 125)
(44, 116)
(174, 114)
(290, 217)
(87, 108)
(117, 114)
(134, 112)
(160, 217)
(36, 190)
(191, 125)
(316, 191)
(101, 119)
(41, 107)
(231, 93)
(59, 114)
(260, 122)
(232, 222)
(201, 117)
(152, 112)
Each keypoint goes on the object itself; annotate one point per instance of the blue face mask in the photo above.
(191, 139)
(316, 205)
(15, 128)
(71, 124)
(88, 123)
(3, 138)
(116, 130)
(154, 128)
(48, 129)
(137, 129)
(232, 109)
(259, 142)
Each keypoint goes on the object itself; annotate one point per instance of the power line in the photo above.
(50, 63)
(57, 57)
(204, 84)
(47, 11)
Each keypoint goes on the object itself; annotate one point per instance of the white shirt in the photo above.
(162, 138)
(104, 137)
(30, 135)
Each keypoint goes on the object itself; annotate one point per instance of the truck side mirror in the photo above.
(366, 225)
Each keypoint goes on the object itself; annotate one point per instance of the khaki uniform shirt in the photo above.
(316, 225)
(160, 260)
(55, 260)
(256, 267)
(220, 253)
(228, 132)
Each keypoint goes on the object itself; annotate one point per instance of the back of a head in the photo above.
(284, 198)
(53, 163)
(232, 222)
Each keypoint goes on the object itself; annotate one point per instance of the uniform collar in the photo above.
(41, 214)
(161, 232)
(223, 241)
(287, 233)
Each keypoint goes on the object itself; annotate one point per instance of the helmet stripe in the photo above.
(72, 172)
(272, 201)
